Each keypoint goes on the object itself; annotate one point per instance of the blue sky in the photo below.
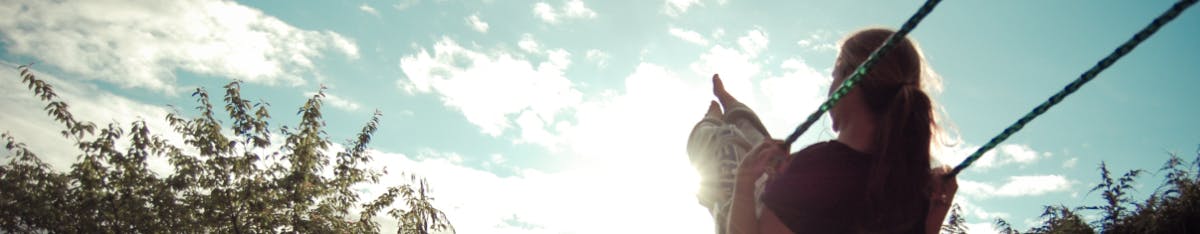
(571, 116)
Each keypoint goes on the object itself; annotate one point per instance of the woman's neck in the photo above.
(859, 134)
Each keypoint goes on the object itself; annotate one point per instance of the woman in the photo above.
(874, 178)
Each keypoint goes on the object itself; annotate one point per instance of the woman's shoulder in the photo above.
(825, 145)
(829, 149)
(827, 158)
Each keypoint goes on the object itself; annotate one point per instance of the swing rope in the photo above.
(1088, 75)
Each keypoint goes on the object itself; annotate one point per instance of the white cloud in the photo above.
(1070, 163)
(973, 211)
(545, 12)
(982, 228)
(718, 33)
(817, 46)
(141, 44)
(490, 88)
(539, 131)
(797, 92)
(558, 59)
(368, 9)
(572, 9)
(655, 106)
(1017, 186)
(498, 158)
(477, 24)
(953, 154)
(405, 4)
(27, 122)
(1019, 153)
(736, 67)
(528, 44)
(678, 7)
(1002, 155)
(570, 201)
(336, 101)
(599, 57)
(595, 186)
(407, 86)
(649, 109)
(779, 98)
(407, 113)
(567, 201)
(820, 40)
(601, 134)
(637, 123)
(576, 9)
(688, 35)
(754, 42)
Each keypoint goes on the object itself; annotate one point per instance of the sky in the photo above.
(571, 116)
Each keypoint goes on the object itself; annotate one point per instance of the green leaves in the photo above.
(1173, 208)
(1115, 194)
(235, 183)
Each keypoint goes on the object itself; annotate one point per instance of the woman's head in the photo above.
(900, 67)
(903, 119)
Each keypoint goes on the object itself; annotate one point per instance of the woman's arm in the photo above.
(941, 196)
(742, 218)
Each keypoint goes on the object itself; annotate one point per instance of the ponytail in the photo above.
(897, 185)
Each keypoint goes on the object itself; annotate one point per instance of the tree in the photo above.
(237, 183)
(1115, 196)
(1002, 226)
(1058, 219)
(1172, 208)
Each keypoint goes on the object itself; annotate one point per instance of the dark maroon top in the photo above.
(821, 190)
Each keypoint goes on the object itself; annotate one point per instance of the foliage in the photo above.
(1172, 208)
(1115, 196)
(1002, 226)
(221, 182)
(1060, 219)
(956, 223)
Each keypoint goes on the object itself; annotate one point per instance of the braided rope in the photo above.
(862, 69)
(1090, 74)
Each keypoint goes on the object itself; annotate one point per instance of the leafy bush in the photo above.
(220, 183)
(1172, 208)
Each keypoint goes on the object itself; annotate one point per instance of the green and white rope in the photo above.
(1090, 74)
